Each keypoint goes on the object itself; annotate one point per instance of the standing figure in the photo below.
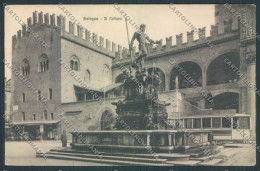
(141, 37)
(63, 139)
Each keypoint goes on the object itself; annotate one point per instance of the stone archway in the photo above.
(219, 69)
(178, 80)
(107, 120)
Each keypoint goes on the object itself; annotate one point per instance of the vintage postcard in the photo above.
(130, 85)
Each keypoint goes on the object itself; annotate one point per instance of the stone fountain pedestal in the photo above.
(139, 135)
(140, 125)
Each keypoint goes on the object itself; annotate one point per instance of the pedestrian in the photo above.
(211, 138)
(64, 139)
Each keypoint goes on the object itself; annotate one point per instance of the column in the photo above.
(204, 78)
(174, 141)
(201, 123)
(148, 139)
(176, 82)
(231, 126)
(192, 123)
(220, 122)
(167, 82)
(184, 139)
(41, 131)
(211, 123)
(232, 120)
(251, 94)
(169, 139)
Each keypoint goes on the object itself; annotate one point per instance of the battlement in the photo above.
(76, 32)
(81, 35)
(217, 32)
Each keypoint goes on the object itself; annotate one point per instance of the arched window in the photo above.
(34, 116)
(25, 67)
(106, 74)
(74, 63)
(107, 120)
(71, 64)
(87, 76)
(106, 69)
(44, 63)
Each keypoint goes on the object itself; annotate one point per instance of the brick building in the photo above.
(99, 67)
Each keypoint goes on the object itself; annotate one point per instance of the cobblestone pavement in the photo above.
(22, 154)
(245, 155)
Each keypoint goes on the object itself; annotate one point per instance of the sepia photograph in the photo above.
(130, 84)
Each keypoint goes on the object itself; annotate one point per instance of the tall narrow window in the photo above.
(44, 66)
(50, 93)
(52, 117)
(45, 115)
(44, 63)
(74, 63)
(47, 64)
(34, 117)
(39, 95)
(87, 76)
(23, 115)
(25, 67)
(76, 66)
(26, 71)
(71, 64)
(23, 98)
(41, 67)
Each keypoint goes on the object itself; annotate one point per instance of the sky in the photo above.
(160, 21)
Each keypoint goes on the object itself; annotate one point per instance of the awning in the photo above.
(84, 89)
(110, 87)
(35, 122)
(102, 90)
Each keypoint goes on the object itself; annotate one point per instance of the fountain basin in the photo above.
(139, 141)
